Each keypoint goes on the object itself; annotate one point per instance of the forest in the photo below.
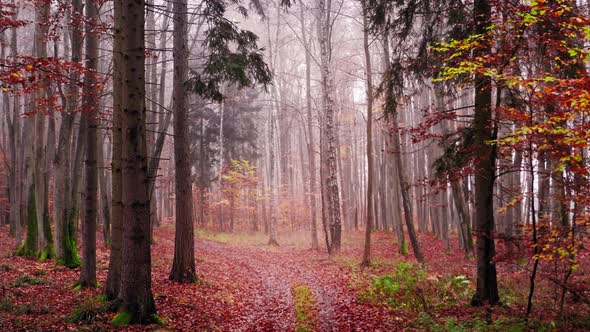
(294, 165)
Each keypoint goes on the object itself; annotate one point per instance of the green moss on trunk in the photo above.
(48, 251)
(29, 248)
(70, 256)
(122, 319)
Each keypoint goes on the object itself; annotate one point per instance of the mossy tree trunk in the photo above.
(67, 252)
(30, 247)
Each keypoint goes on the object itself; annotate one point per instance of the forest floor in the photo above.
(246, 285)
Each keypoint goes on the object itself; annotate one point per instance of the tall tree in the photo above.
(137, 302)
(90, 102)
(310, 131)
(113, 284)
(327, 82)
(183, 266)
(487, 284)
(392, 112)
(370, 167)
(67, 252)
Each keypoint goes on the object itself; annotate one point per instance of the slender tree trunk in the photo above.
(369, 224)
(113, 284)
(311, 142)
(40, 178)
(487, 284)
(67, 252)
(104, 191)
(332, 192)
(17, 161)
(274, 160)
(397, 158)
(88, 273)
(183, 266)
(152, 115)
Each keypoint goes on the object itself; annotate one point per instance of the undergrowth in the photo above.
(31, 309)
(87, 311)
(25, 279)
(26, 309)
(476, 324)
(410, 287)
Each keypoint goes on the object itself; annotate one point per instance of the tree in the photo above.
(487, 284)
(310, 131)
(65, 236)
(90, 103)
(113, 284)
(369, 224)
(183, 266)
(332, 192)
(137, 302)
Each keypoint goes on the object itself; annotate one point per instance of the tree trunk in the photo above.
(113, 284)
(104, 191)
(183, 266)
(66, 250)
(370, 167)
(136, 288)
(397, 158)
(487, 285)
(17, 161)
(311, 142)
(88, 273)
(332, 192)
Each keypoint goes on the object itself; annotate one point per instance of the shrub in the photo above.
(31, 309)
(25, 279)
(6, 305)
(409, 287)
(87, 311)
(399, 289)
(39, 273)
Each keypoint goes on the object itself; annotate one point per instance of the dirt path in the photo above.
(266, 291)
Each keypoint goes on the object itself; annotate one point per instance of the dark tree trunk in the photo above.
(88, 273)
(113, 284)
(371, 169)
(136, 284)
(487, 284)
(183, 266)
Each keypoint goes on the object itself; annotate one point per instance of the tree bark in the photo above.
(136, 288)
(183, 266)
(66, 250)
(332, 192)
(487, 284)
(88, 273)
(370, 167)
(403, 184)
(113, 284)
(311, 142)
